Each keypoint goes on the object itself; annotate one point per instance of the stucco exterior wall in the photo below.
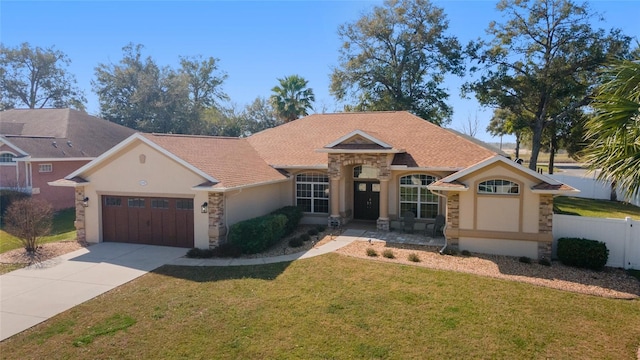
(256, 201)
(142, 170)
(504, 224)
(513, 213)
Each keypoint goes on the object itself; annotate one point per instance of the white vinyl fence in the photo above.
(592, 188)
(622, 236)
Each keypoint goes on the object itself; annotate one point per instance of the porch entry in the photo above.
(366, 200)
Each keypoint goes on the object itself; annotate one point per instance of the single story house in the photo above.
(38, 146)
(180, 190)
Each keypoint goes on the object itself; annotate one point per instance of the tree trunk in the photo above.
(552, 152)
(517, 145)
(535, 145)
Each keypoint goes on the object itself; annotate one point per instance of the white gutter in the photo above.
(444, 229)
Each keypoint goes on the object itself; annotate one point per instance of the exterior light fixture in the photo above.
(85, 202)
(204, 207)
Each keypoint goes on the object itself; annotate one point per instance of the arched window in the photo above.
(498, 187)
(415, 197)
(6, 158)
(312, 192)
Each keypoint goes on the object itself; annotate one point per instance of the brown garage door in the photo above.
(145, 220)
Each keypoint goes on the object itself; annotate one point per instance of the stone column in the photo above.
(383, 220)
(80, 223)
(453, 218)
(545, 225)
(217, 227)
(335, 174)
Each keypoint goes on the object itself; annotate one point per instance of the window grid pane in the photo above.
(312, 192)
(415, 197)
(499, 187)
(184, 204)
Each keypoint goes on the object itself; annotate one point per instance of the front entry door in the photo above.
(366, 200)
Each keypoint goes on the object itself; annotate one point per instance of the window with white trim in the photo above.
(312, 193)
(6, 158)
(45, 168)
(498, 187)
(415, 197)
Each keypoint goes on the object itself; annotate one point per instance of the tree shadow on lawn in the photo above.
(509, 267)
(220, 273)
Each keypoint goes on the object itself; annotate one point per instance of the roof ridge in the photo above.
(195, 136)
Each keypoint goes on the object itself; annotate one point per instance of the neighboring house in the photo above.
(38, 146)
(188, 190)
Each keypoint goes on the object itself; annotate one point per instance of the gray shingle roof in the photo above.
(60, 133)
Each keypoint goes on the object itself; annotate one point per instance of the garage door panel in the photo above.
(154, 221)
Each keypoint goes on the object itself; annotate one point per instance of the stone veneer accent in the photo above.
(217, 228)
(337, 162)
(80, 223)
(453, 218)
(545, 225)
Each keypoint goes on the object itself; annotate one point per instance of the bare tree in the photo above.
(471, 126)
(29, 220)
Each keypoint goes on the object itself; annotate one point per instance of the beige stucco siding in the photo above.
(500, 247)
(512, 213)
(499, 213)
(157, 176)
(256, 201)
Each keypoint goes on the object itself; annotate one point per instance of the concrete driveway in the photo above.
(32, 295)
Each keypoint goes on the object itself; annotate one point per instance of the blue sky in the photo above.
(256, 41)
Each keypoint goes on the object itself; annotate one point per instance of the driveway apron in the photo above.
(33, 294)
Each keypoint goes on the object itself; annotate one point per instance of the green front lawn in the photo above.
(333, 307)
(594, 208)
(63, 229)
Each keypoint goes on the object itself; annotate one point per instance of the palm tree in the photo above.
(614, 130)
(291, 99)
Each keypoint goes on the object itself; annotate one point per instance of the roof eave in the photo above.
(239, 187)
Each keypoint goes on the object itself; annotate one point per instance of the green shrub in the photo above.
(388, 253)
(227, 250)
(305, 237)
(465, 253)
(413, 257)
(312, 232)
(583, 253)
(321, 228)
(526, 260)
(293, 215)
(296, 242)
(449, 251)
(258, 234)
(372, 252)
(544, 261)
(197, 253)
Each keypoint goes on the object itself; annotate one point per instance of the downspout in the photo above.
(444, 229)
